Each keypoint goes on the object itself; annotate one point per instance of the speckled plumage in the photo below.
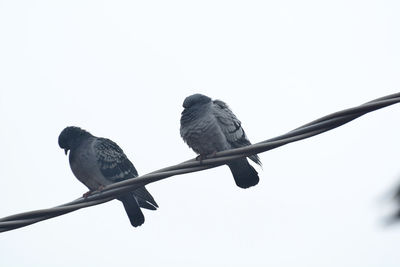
(98, 162)
(209, 126)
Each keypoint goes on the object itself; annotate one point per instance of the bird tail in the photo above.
(145, 199)
(132, 209)
(256, 159)
(243, 173)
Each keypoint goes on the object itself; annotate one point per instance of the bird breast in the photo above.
(84, 166)
(204, 135)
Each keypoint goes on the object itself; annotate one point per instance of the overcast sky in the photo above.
(121, 69)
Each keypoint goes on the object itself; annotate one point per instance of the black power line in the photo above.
(110, 192)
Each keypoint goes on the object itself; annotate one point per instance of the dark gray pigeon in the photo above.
(209, 126)
(98, 162)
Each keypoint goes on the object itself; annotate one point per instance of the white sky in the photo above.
(121, 70)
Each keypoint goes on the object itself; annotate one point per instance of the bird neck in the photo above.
(83, 136)
(193, 113)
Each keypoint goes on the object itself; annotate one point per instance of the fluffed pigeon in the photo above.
(209, 126)
(98, 162)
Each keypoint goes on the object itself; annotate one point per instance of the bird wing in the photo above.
(115, 167)
(113, 163)
(231, 127)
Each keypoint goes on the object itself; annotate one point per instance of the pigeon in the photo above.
(209, 126)
(98, 162)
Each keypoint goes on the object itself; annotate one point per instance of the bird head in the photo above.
(196, 99)
(70, 136)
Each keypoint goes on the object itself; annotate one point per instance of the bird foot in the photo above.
(88, 193)
(212, 154)
(101, 187)
(202, 157)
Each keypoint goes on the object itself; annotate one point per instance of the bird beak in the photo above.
(66, 151)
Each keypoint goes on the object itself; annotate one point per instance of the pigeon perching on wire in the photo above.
(98, 162)
(209, 126)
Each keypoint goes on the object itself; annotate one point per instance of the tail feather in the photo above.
(244, 174)
(144, 204)
(145, 199)
(132, 208)
(255, 158)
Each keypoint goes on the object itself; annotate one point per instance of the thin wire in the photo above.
(110, 192)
